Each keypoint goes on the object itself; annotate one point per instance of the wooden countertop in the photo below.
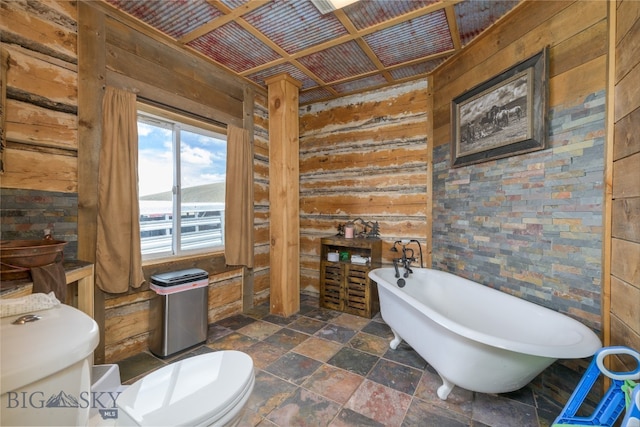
(75, 270)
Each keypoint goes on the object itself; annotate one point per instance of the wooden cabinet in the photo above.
(345, 286)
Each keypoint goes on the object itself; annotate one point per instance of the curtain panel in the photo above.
(118, 253)
(238, 226)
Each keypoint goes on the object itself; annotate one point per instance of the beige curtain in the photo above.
(238, 226)
(118, 256)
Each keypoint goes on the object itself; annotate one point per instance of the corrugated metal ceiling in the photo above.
(366, 45)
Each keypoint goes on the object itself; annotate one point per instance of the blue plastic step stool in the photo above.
(614, 401)
(632, 419)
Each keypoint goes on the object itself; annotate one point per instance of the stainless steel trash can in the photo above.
(178, 311)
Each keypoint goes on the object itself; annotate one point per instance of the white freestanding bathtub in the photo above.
(474, 336)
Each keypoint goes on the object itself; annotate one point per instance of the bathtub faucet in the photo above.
(406, 259)
(403, 244)
(395, 266)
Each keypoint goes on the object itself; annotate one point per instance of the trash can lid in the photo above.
(179, 277)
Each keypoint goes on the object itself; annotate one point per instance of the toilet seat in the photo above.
(200, 390)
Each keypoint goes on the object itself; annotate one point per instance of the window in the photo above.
(181, 183)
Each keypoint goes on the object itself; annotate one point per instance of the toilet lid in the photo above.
(189, 391)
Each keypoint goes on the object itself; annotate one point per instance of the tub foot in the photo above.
(395, 342)
(445, 388)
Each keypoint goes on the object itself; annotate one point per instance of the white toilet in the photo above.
(206, 390)
(50, 360)
(46, 367)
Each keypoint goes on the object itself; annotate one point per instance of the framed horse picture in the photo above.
(503, 116)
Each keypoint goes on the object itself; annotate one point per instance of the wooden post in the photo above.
(428, 255)
(247, 273)
(91, 80)
(284, 194)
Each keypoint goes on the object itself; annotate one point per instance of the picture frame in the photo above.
(503, 116)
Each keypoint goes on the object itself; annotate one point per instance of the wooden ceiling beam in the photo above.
(404, 64)
(229, 15)
(353, 34)
(360, 33)
(450, 12)
(344, 20)
(285, 56)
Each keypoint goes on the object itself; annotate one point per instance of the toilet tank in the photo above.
(46, 367)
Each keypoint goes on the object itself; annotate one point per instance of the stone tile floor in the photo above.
(322, 367)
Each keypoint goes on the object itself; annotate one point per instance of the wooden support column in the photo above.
(247, 273)
(91, 82)
(284, 194)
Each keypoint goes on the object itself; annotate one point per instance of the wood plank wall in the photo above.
(364, 156)
(625, 219)
(577, 36)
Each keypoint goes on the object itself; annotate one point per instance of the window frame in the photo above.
(177, 122)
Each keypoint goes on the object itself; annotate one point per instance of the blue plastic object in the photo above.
(613, 403)
(632, 419)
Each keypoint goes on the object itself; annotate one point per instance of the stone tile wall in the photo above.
(26, 214)
(530, 225)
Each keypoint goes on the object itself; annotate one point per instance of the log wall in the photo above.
(364, 156)
(261, 282)
(43, 81)
(127, 326)
(625, 189)
(184, 82)
(41, 128)
(369, 156)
